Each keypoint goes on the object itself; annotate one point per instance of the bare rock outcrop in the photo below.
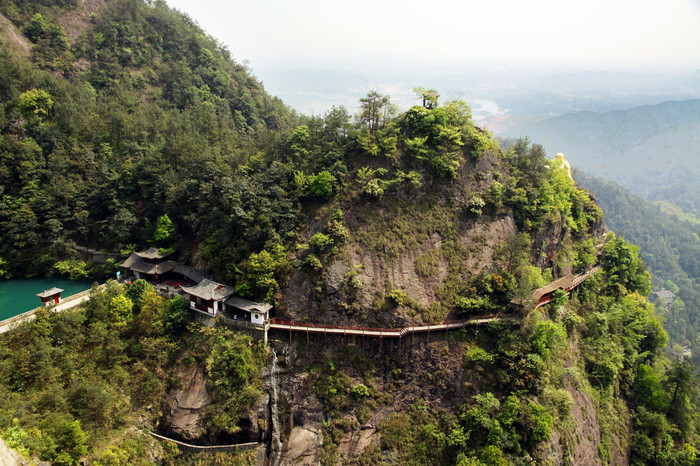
(189, 405)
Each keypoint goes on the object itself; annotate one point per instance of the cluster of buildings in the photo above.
(205, 296)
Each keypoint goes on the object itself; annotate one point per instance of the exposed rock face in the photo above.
(331, 298)
(355, 442)
(74, 21)
(189, 404)
(587, 433)
(16, 39)
(401, 272)
(9, 457)
(304, 445)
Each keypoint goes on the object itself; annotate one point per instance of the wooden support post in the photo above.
(363, 339)
(428, 334)
(412, 333)
(307, 337)
(345, 333)
(399, 343)
(290, 335)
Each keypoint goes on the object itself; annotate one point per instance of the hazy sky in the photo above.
(635, 35)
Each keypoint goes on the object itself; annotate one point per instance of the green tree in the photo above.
(4, 269)
(322, 185)
(176, 316)
(36, 27)
(138, 291)
(120, 311)
(375, 110)
(540, 422)
(493, 456)
(299, 142)
(72, 444)
(260, 270)
(234, 365)
(429, 97)
(336, 123)
(560, 298)
(625, 269)
(681, 385)
(35, 103)
(164, 230)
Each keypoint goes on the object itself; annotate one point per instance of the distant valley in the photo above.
(652, 150)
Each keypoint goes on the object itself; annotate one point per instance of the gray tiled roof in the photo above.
(209, 290)
(563, 283)
(151, 253)
(138, 264)
(248, 306)
(49, 292)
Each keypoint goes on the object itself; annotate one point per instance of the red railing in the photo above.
(200, 307)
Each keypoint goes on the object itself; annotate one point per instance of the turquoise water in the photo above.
(19, 295)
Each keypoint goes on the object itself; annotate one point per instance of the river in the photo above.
(19, 295)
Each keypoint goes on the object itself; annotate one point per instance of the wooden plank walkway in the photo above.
(291, 326)
(280, 324)
(208, 448)
(577, 280)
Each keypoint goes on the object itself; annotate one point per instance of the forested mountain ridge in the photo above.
(650, 150)
(668, 244)
(141, 131)
(142, 106)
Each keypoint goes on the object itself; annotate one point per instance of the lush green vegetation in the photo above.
(161, 121)
(74, 384)
(670, 247)
(602, 346)
(142, 131)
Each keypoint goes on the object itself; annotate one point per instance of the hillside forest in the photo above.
(124, 126)
(669, 245)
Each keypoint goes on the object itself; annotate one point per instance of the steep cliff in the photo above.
(134, 129)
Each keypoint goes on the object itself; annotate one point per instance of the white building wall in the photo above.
(258, 317)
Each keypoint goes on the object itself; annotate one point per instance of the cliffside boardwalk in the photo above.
(280, 324)
(542, 296)
(545, 295)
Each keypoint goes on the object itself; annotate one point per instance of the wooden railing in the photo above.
(208, 448)
(281, 324)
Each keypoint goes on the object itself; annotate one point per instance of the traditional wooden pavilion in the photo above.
(430, 99)
(545, 294)
(50, 296)
(149, 264)
(247, 311)
(208, 296)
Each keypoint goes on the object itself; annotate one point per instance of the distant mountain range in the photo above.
(528, 95)
(653, 150)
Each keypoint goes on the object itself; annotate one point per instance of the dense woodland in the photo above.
(669, 245)
(142, 130)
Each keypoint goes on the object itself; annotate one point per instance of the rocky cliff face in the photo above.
(9, 457)
(353, 288)
(188, 405)
(423, 371)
